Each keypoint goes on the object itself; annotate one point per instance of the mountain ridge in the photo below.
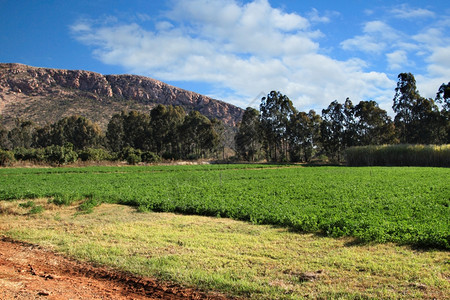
(45, 95)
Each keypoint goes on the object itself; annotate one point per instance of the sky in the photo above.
(238, 51)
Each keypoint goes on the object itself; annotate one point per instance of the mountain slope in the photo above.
(46, 95)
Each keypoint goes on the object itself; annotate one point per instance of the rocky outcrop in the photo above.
(44, 95)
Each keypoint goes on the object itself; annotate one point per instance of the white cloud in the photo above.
(377, 38)
(431, 37)
(315, 17)
(143, 17)
(252, 48)
(364, 43)
(441, 57)
(81, 27)
(438, 72)
(406, 12)
(418, 48)
(397, 60)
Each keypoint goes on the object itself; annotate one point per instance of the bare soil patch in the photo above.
(28, 271)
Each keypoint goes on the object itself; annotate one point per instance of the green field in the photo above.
(381, 204)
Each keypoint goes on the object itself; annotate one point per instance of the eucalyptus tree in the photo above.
(3, 136)
(333, 130)
(417, 118)
(77, 130)
(249, 136)
(164, 123)
(304, 135)
(276, 111)
(373, 125)
(197, 136)
(21, 136)
(443, 98)
(129, 129)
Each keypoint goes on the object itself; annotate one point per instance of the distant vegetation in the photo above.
(402, 205)
(278, 132)
(275, 133)
(167, 132)
(399, 155)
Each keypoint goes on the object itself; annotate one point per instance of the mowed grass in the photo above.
(233, 257)
(382, 204)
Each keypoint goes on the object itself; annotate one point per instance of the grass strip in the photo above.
(233, 257)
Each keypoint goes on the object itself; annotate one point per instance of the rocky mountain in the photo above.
(46, 95)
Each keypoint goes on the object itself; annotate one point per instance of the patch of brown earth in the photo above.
(30, 272)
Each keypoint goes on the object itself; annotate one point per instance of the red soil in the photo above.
(30, 272)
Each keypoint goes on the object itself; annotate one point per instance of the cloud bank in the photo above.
(244, 49)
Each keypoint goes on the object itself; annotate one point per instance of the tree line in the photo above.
(166, 132)
(278, 132)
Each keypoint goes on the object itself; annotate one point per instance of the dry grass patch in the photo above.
(237, 258)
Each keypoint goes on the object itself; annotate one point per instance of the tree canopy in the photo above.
(277, 131)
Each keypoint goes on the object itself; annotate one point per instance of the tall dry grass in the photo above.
(399, 155)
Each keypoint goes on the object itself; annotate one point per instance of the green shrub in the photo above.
(21, 153)
(150, 157)
(91, 154)
(131, 156)
(133, 159)
(60, 154)
(29, 154)
(6, 158)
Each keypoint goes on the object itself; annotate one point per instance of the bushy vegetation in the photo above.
(95, 154)
(131, 136)
(281, 133)
(6, 158)
(399, 155)
(275, 133)
(402, 205)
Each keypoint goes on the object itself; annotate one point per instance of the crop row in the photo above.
(402, 205)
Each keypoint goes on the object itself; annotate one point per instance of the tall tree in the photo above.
(164, 123)
(373, 125)
(197, 135)
(406, 96)
(21, 135)
(43, 136)
(115, 133)
(3, 135)
(416, 118)
(137, 130)
(316, 134)
(443, 98)
(249, 136)
(333, 130)
(276, 111)
(129, 129)
(77, 130)
(221, 140)
(299, 132)
(349, 124)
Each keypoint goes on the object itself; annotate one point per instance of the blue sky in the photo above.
(238, 51)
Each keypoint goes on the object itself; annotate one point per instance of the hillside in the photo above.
(46, 95)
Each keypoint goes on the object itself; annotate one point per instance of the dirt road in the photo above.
(30, 272)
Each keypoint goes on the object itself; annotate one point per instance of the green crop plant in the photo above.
(381, 204)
